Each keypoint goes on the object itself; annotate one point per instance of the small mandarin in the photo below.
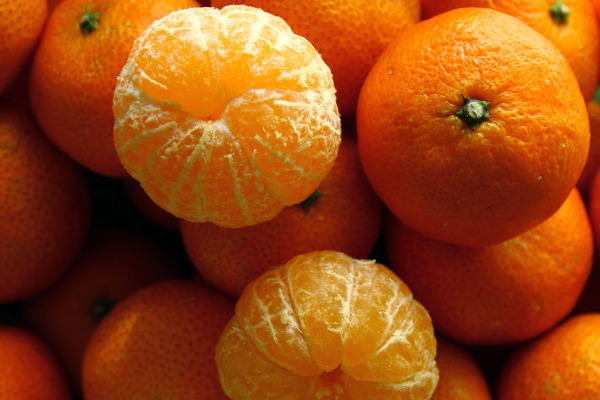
(242, 123)
(327, 326)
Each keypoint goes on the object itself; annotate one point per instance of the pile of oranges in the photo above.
(258, 199)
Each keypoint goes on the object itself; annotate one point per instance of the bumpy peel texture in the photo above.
(327, 326)
(225, 115)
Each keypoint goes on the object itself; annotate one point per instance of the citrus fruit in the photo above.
(461, 377)
(562, 364)
(242, 123)
(471, 127)
(570, 25)
(505, 293)
(21, 25)
(593, 160)
(328, 326)
(114, 264)
(147, 207)
(82, 50)
(45, 207)
(343, 214)
(28, 369)
(158, 343)
(345, 33)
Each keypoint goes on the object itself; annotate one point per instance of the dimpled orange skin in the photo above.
(73, 75)
(593, 160)
(28, 370)
(327, 326)
(461, 377)
(559, 365)
(114, 264)
(449, 182)
(21, 24)
(499, 294)
(158, 343)
(242, 123)
(349, 34)
(346, 217)
(578, 38)
(45, 207)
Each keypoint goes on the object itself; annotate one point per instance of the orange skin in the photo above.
(578, 38)
(593, 160)
(28, 369)
(328, 326)
(45, 207)
(480, 185)
(21, 24)
(500, 294)
(346, 217)
(114, 265)
(159, 342)
(348, 34)
(461, 377)
(74, 75)
(594, 206)
(559, 365)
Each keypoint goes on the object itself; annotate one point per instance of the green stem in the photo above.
(306, 203)
(473, 112)
(560, 12)
(89, 21)
(101, 308)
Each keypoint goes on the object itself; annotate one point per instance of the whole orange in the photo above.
(349, 34)
(562, 364)
(21, 24)
(327, 326)
(45, 207)
(28, 369)
(114, 264)
(593, 160)
(471, 127)
(461, 377)
(158, 343)
(82, 50)
(344, 214)
(570, 25)
(499, 294)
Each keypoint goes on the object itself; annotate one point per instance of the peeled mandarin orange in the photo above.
(328, 326)
(225, 116)
(471, 127)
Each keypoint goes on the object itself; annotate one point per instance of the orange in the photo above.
(344, 214)
(114, 264)
(328, 326)
(158, 343)
(498, 294)
(82, 50)
(242, 123)
(594, 206)
(593, 160)
(28, 370)
(570, 25)
(147, 207)
(471, 127)
(45, 207)
(348, 34)
(461, 377)
(21, 24)
(560, 365)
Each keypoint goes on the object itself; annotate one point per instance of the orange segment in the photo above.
(240, 123)
(329, 326)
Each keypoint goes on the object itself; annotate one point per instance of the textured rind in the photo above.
(315, 325)
(234, 130)
(438, 176)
